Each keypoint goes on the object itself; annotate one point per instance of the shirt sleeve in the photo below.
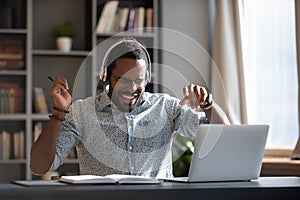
(187, 120)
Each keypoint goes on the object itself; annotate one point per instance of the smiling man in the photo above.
(127, 82)
(123, 129)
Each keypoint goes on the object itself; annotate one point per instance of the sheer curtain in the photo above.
(267, 58)
(227, 83)
(296, 152)
(271, 69)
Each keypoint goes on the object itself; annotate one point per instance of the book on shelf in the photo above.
(40, 102)
(6, 144)
(131, 19)
(140, 19)
(11, 97)
(107, 16)
(149, 19)
(37, 130)
(12, 64)
(1, 147)
(116, 22)
(11, 53)
(125, 18)
(12, 145)
(19, 145)
(109, 179)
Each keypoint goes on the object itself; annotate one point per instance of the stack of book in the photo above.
(11, 53)
(114, 19)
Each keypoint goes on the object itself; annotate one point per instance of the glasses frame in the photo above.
(127, 82)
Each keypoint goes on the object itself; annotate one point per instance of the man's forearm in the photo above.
(43, 150)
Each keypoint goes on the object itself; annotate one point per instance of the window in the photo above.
(269, 49)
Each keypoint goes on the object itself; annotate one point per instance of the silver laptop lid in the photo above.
(228, 152)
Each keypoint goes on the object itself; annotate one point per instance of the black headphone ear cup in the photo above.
(101, 86)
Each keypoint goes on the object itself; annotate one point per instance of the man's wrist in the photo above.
(57, 116)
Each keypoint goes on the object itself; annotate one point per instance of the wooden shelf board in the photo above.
(45, 52)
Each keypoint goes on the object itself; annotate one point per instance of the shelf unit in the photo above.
(34, 21)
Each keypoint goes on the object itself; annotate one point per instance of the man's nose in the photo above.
(132, 86)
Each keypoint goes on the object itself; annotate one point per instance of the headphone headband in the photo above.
(128, 42)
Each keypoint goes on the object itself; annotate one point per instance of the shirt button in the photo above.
(130, 147)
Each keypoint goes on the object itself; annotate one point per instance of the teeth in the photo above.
(129, 96)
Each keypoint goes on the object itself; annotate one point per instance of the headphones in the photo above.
(132, 44)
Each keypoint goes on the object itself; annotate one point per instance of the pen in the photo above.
(50, 78)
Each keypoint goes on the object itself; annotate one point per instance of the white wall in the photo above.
(185, 43)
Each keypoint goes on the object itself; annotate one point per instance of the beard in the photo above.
(124, 100)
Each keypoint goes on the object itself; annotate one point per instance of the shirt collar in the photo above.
(103, 101)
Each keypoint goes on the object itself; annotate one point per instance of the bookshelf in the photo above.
(32, 22)
(14, 73)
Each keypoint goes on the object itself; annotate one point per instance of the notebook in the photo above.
(227, 153)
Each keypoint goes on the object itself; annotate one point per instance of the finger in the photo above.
(201, 94)
(57, 89)
(61, 81)
(204, 95)
(185, 91)
(197, 94)
(185, 100)
(192, 96)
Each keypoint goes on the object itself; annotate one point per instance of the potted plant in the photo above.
(64, 34)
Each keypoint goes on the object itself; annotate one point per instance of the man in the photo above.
(124, 129)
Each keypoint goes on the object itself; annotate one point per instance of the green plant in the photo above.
(64, 30)
(182, 152)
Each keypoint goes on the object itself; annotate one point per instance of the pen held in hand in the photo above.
(50, 78)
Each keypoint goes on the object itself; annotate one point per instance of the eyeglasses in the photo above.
(127, 82)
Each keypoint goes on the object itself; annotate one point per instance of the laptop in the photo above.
(227, 153)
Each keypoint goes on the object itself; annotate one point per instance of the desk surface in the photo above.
(264, 188)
